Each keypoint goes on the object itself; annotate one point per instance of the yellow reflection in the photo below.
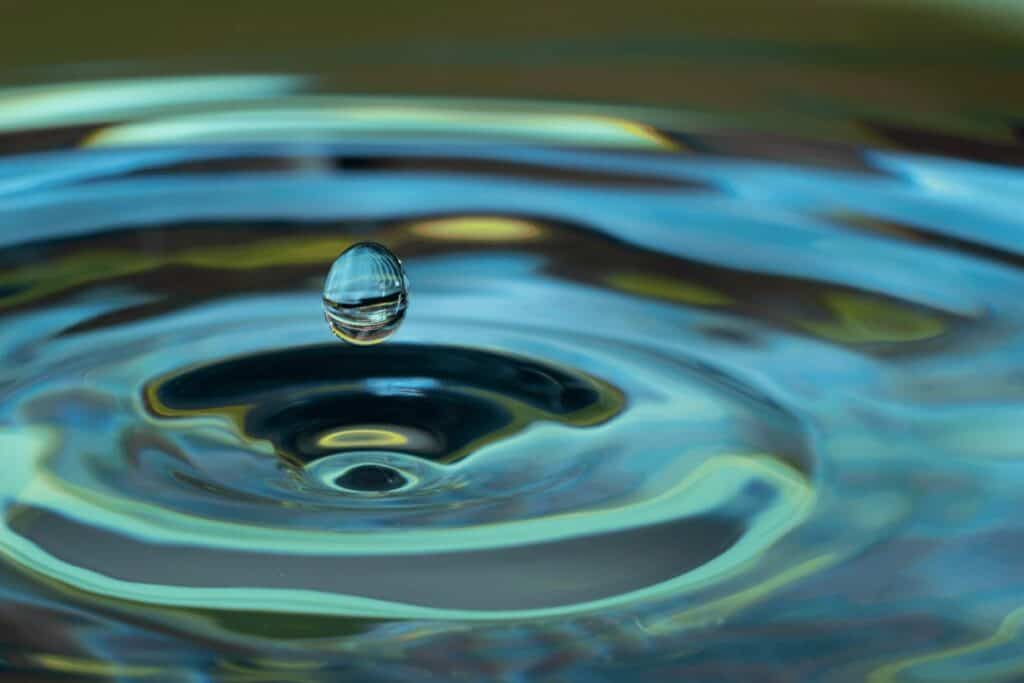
(35, 281)
(1008, 630)
(861, 319)
(268, 671)
(723, 607)
(77, 103)
(362, 437)
(91, 667)
(478, 229)
(327, 118)
(668, 288)
(288, 664)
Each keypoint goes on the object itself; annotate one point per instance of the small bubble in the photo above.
(371, 478)
(365, 294)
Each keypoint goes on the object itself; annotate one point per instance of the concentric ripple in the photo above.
(641, 399)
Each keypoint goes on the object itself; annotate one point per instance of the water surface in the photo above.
(668, 402)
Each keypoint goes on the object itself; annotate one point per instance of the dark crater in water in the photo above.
(371, 478)
(309, 401)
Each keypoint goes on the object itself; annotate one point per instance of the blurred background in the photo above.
(857, 70)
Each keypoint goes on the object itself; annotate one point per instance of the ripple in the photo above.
(499, 474)
(642, 400)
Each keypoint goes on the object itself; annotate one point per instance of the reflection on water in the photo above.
(671, 403)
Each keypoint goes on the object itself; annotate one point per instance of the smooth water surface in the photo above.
(669, 404)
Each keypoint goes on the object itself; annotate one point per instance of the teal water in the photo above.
(667, 404)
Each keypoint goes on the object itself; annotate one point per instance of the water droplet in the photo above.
(365, 294)
(371, 478)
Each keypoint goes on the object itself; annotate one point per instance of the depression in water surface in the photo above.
(669, 401)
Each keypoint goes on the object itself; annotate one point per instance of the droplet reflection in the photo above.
(365, 294)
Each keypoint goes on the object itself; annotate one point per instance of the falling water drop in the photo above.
(365, 294)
